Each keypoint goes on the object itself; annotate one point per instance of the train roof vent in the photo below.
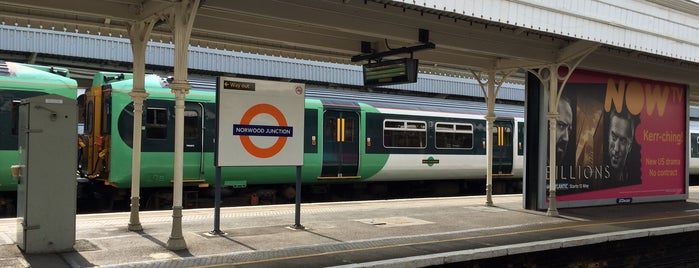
(4, 69)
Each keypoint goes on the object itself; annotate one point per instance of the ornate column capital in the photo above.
(180, 86)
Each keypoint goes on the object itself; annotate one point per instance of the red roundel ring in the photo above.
(247, 143)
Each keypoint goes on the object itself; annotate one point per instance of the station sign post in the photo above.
(259, 123)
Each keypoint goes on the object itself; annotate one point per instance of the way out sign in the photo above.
(260, 123)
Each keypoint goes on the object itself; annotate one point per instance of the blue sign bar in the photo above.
(258, 130)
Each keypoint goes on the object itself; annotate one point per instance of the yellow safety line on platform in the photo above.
(449, 240)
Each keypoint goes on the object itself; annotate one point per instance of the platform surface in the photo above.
(387, 233)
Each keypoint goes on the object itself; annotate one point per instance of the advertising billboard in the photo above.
(620, 139)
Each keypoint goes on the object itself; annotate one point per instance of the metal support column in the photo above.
(493, 87)
(138, 34)
(176, 240)
(552, 117)
(490, 117)
(181, 20)
(550, 77)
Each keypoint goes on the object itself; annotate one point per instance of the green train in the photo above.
(420, 146)
(387, 143)
(19, 81)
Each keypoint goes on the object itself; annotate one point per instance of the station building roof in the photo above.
(97, 51)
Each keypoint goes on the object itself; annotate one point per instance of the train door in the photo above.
(503, 137)
(194, 140)
(520, 138)
(340, 144)
(95, 154)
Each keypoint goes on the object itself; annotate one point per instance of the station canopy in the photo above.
(333, 31)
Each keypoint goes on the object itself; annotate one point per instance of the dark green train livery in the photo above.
(19, 81)
(380, 142)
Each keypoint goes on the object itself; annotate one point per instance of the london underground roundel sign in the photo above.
(260, 123)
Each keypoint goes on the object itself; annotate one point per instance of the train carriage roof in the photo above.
(694, 126)
(381, 100)
(19, 76)
(205, 90)
(158, 88)
(693, 113)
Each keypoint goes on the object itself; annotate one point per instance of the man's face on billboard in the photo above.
(563, 127)
(619, 141)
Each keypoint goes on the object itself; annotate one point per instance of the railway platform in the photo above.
(387, 233)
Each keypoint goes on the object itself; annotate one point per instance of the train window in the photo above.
(502, 136)
(330, 129)
(191, 128)
(393, 124)
(404, 134)
(15, 117)
(349, 130)
(90, 117)
(106, 115)
(156, 123)
(453, 136)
